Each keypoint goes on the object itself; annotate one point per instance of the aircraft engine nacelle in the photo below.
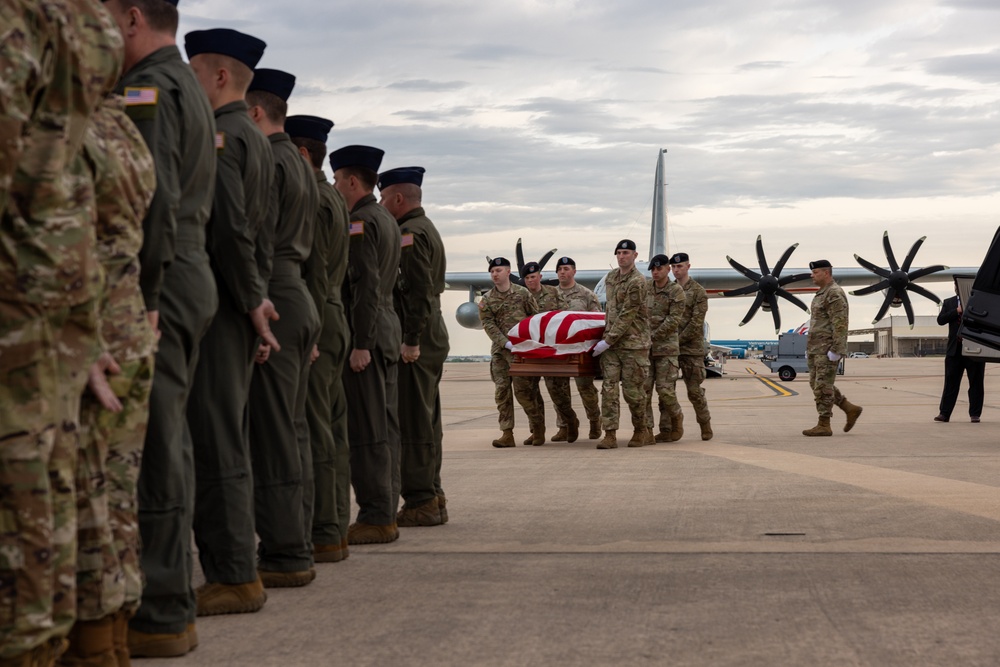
(468, 315)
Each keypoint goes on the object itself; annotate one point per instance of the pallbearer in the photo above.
(579, 298)
(691, 337)
(666, 308)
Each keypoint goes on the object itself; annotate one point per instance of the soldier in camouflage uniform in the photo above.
(624, 348)
(666, 307)
(548, 298)
(59, 59)
(579, 298)
(499, 310)
(828, 316)
(691, 337)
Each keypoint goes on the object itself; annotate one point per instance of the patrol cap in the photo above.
(820, 264)
(358, 156)
(625, 244)
(308, 127)
(227, 42)
(414, 175)
(499, 261)
(529, 268)
(659, 260)
(679, 258)
(273, 81)
(565, 261)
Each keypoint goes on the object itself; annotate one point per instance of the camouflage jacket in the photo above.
(500, 311)
(627, 318)
(666, 307)
(124, 181)
(691, 335)
(59, 58)
(828, 321)
(549, 298)
(579, 298)
(422, 266)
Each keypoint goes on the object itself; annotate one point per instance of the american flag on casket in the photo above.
(557, 332)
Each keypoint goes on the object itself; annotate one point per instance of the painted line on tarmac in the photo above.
(778, 389)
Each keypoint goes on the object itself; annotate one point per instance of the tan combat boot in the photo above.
(610, 441)
(665, 432)
(537, 437)
(573, 429)
(852, 411)
(158, 645)
(560, 435)
(678, 429)
(217, 598)
(425, 514)
(119, 636)
(595, 429)
(275, 579)
(505, 440)
(650, 439)
(330, 553)
(706, 431)
(91, 644)
(365, 533)
(822, 427)
(443, 505)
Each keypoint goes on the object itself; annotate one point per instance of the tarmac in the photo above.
(760, 547)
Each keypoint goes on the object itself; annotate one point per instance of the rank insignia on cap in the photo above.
(406, 240)
(220, 140)
(141, 96)
(357, 228)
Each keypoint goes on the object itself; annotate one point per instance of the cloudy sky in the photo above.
(816, 122)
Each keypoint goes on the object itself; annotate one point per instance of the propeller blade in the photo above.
(550, 281)
(742, 269)
(546, 257)
(924, 292)
(877, 270)
(753, 309)
(775, 315)
(871, 288)
(517, 280)
(741, 291)
(910, 255)
(890, 295)
(761, 260)
(520, 257)
(907, 306)
(792, 298)
(888, 252)
(794, 278)
(926, 271)
(784, 258)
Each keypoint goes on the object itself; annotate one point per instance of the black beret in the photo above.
(308, 127)
(499, 261)
(357, 156)
(565, 261)
(659, 260)
(820, 264)
(273, 81)
(224, 41)
(679, 258)
(529, 268)
(413, 175)
(625, 244)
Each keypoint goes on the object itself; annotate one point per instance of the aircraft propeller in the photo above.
(519, 279)
(768, 285)
(898, 280)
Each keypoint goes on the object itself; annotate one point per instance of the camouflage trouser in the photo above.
(108, 576)
(822, 373)
(630, 367)
(524, 389)
(588, 394)
(558, 389)
(662, 373)
(43, 362)
(693, 368)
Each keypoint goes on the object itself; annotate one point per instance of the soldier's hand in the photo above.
(263, 353)
(261, 316)
(509, 345)
(409, 353)
(97, 381)
(360, 360)
(601, 347)
(154, 321)
(314, 355)
(832, 356)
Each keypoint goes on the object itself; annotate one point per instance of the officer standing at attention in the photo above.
(48, 305)
(548, 298)
(499, 310)
(165, 101)
(326, 407)
(828, 314)
(372, 269)
(666, 308)
(223, 60)
(422, 266)
(624, 349)
(579, 298)
(691, 338)
(279, 432)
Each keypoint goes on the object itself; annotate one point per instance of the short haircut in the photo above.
(411, 192)
(239, 73)
(367, 176)
(274, 107)
(315, 148)
(160, 15)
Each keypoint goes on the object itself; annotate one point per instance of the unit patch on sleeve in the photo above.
(140, 103)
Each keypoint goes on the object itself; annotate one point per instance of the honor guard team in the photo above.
(200, 333)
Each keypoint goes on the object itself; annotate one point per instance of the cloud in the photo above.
(982, 67)
(425, 86)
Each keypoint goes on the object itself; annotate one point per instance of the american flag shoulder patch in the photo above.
(406, 240)
(147, 96)
(220, 140)
(357, 227)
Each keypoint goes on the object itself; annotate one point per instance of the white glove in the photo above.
(832, 356)
(600, 348)
(509, 345)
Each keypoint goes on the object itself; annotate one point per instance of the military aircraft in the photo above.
(896, 282)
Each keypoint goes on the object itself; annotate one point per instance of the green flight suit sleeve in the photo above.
(264, 250)
(364, 281)
(416, 286)
(632, 303)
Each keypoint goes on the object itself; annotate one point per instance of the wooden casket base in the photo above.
(581, 364)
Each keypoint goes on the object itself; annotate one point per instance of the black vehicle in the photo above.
(981, 314)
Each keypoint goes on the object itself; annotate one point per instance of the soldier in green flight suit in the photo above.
(279, 431)
(59, 60)
(691, 338)
(499, 310)
(165, 101)
(579, 298)
(666, 307)
(223, 60)
(424, 349)
(370, 374)
(326, 404)
(549, 297)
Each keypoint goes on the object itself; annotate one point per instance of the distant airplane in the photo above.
(765, 285)
(739, 348)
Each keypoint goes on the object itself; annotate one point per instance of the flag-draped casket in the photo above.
(556, 343)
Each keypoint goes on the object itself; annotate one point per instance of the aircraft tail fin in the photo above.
(658, 224)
